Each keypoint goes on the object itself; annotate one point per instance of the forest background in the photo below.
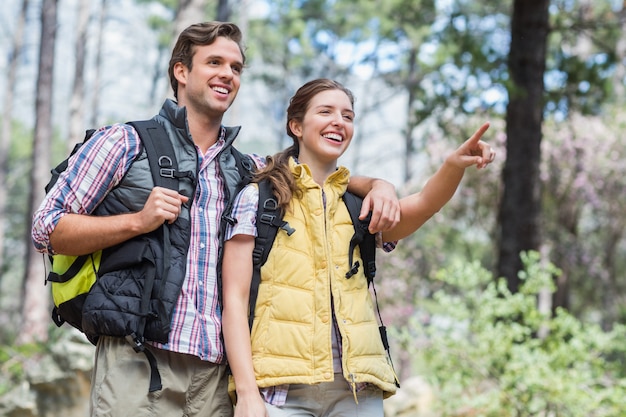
(511, 300)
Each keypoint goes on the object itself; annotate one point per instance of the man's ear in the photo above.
(295, 127)
(180, 73)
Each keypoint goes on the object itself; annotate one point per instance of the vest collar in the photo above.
(337, 181)
(177, 116)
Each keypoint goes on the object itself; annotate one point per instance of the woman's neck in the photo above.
(319, 170)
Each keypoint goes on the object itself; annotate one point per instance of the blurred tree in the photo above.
(7, 123)
(77, 105)
(586, 85)
(447, 63)
(97, 68)
(520, 207)
(224, 11)
(584, 198)
(187, 13)
(35, 309)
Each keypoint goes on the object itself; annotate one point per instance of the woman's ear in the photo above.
(296, 128)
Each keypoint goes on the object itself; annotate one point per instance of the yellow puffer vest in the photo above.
(291, 334)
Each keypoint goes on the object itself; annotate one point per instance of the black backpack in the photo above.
(69, 295)
(270, 220)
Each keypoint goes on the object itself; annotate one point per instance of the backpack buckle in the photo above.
(353, 270)
(270, 204)
(167, 172)
(267, 218)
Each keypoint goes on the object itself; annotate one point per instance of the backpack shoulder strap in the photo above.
(245, 166)
(362, 237)
(164, 170)
(161, 156)
(268, 220)
(367, 245)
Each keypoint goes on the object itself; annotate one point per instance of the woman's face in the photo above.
(327, 127)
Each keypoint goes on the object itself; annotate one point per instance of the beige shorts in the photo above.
(333, 399)
(191, 387)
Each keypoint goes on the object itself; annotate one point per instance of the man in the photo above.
(103, 200)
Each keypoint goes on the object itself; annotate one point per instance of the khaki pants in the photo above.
(329, 399)
(191, 387)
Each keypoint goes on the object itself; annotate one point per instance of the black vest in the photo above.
(117, 304)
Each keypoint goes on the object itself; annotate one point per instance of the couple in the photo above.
(205, 70)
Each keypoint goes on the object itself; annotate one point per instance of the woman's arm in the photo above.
(236, 279)
(417, 208)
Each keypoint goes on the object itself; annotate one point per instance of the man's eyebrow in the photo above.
(221, 58)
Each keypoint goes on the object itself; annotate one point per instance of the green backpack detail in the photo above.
(71, 278)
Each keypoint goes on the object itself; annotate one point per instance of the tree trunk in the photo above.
(188, 13)
(35, 310)
(223, 11)
(97, 79)
(77, 114)
(520, 207)
(620, 52)
(610, 289)
(411, 85)
(7, 120)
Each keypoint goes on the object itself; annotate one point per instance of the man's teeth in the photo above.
(220, 90)
(333, 136)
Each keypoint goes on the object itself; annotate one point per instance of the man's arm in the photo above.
(379, 197)
(79, 234)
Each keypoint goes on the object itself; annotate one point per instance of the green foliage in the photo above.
(582, 56)
(492, 353)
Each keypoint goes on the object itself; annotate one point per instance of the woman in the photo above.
(315, 348)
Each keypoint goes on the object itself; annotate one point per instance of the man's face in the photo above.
(210, 87)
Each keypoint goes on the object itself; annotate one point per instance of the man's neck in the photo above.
(204, 130)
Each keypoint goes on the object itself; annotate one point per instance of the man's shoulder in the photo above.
(116, 132)
(258, 160)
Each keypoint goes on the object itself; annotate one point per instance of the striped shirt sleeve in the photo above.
(94, 170)
(244, 212)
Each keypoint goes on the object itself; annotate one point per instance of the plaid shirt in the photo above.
(95, 170)
(244, 211)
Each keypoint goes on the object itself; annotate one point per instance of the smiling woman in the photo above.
(314, 330)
